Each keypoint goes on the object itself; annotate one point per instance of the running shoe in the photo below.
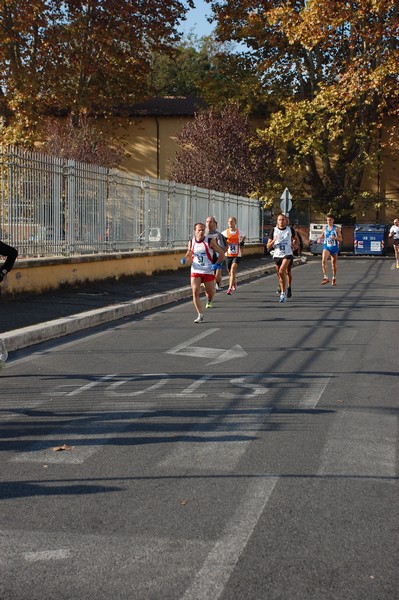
(278, 290)
(397, 265)
(229, 292)
(334, 281)
(282, 297)
(218, 287)
(199, 319)
(325, 280)
(234, 286)
(289, 293)
(209, 304)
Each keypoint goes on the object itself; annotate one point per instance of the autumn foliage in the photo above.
(70, 57)
(332, 67)
(82, 141)
(221, 152)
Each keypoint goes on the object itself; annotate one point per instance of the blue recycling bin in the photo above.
(370, 239)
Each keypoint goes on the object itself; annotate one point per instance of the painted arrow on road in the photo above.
(218, 355)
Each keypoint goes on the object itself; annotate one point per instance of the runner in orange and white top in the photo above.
(235, 241)
(200, 250)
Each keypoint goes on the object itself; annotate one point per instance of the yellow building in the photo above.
(149, 133)
(149, 130)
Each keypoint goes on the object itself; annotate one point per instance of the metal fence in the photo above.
(51, 206)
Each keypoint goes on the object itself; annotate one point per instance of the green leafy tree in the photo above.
(332, 68)
(211, 69)
(181, 71)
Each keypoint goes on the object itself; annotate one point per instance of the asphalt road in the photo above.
(33, 309)
(253, 456)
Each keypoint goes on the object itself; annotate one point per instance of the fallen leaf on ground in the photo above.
(63, 447)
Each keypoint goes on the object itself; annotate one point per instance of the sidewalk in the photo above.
(32, 319)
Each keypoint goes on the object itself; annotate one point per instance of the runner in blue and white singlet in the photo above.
(332, 236)
(331, 240)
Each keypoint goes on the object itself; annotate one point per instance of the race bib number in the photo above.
(199, 259)
(233, 249)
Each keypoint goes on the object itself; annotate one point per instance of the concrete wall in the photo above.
(43, 274)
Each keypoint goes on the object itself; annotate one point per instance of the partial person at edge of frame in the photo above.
(394, 233)
(11, 255)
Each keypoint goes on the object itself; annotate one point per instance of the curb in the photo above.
(33, 334)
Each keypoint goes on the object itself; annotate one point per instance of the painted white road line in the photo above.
(113, 389)
(221, 561)
(90, 385)
(189, 391)
(255, 388)
(348, 334)
(312, 396)
(218, 355)
(361, 444)
(46, 555)
(193, 340)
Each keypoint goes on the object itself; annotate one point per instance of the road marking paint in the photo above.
(350, 334)
(192, 340)
(315, 392)
(110, 390)
(188, 391)
(218, 355)
(77, 389)
(211, 580)
(90, 385)
(46, 555)
(257, 389)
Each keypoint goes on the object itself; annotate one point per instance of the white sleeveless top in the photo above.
(201, 257)
(283, 247)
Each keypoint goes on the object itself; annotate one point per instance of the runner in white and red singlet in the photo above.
(200, 250)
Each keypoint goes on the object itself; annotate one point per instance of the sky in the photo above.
(196, 19)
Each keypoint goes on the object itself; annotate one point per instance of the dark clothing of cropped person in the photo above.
(11, 254)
